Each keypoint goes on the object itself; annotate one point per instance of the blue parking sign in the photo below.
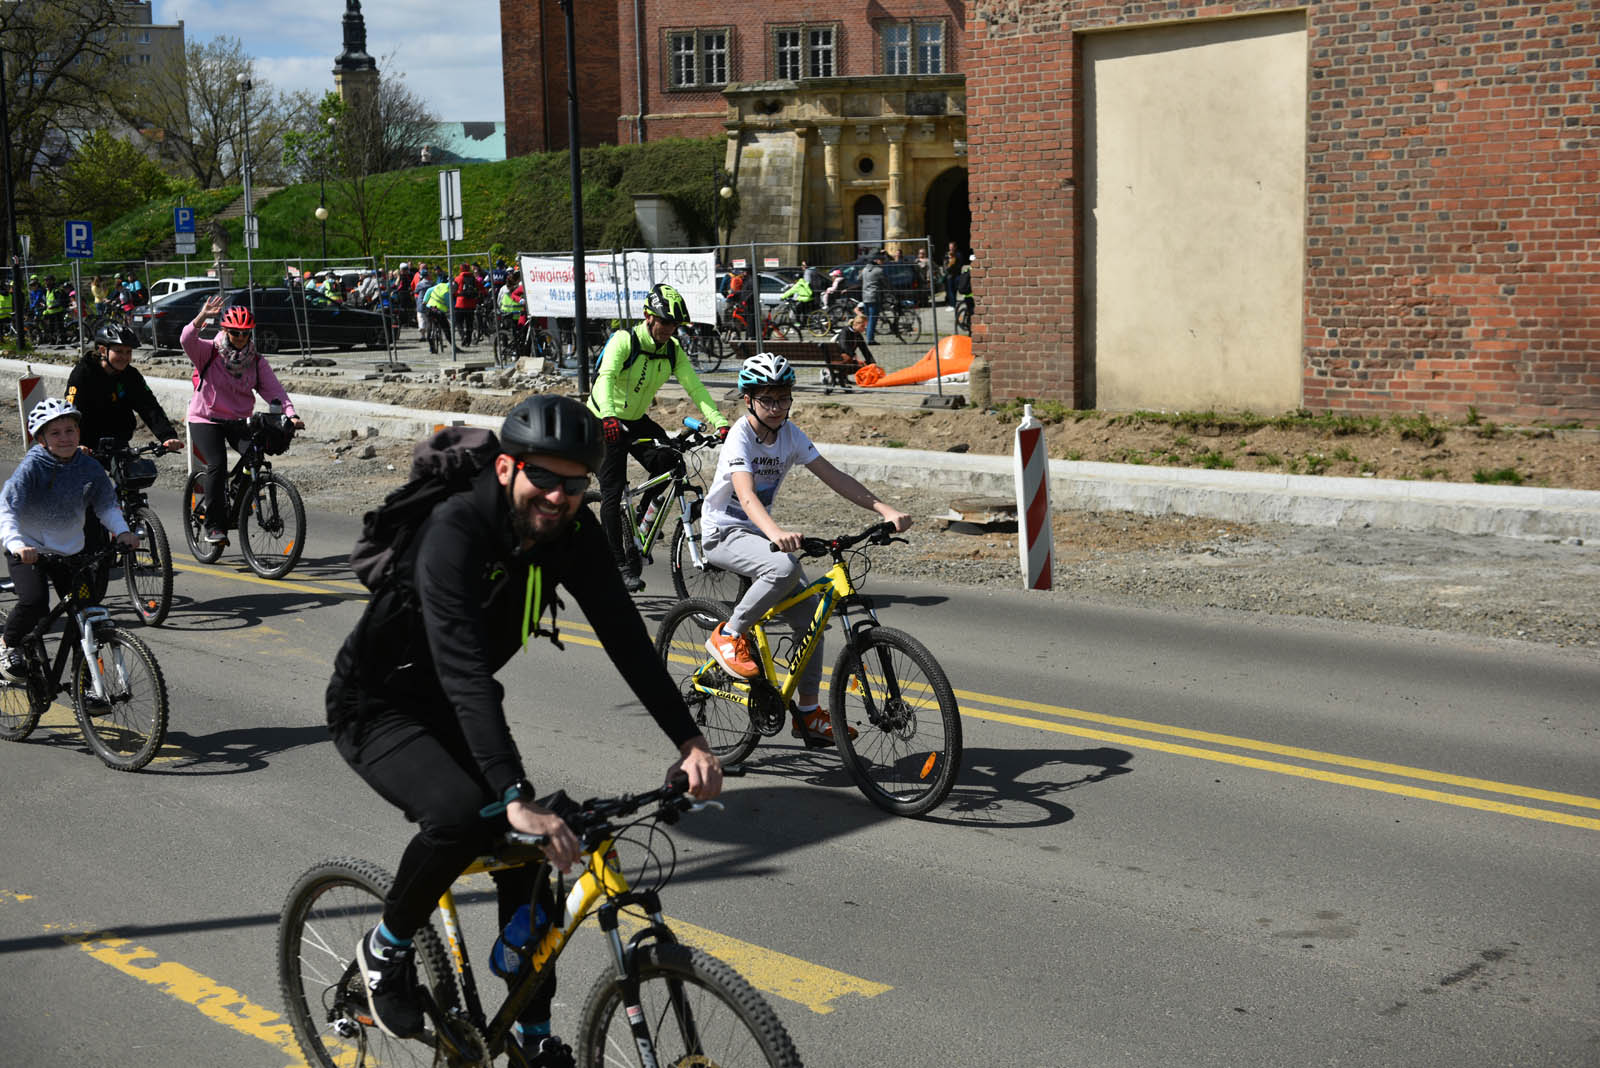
(79, 239)
(183, 220)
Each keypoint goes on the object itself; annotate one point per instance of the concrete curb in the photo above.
(1241, 496)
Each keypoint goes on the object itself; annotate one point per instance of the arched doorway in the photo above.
(948, 214)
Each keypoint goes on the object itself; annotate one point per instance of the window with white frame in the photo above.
(697, 59)
(913, 47)
(805, 51)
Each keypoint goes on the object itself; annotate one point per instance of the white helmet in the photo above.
(765, 369)
(47, 410)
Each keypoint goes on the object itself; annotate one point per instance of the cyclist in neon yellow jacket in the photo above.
(635, 364)
(437, 303)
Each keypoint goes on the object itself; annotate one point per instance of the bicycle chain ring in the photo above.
(474, 1047)
(768, 712)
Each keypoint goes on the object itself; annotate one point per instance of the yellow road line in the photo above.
(1233, 741)
(1318, 774)
(289, 581)
(771, 972)
(61, 717)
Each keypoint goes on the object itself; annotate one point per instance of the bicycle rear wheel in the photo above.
(709, 583)
(908, 749)
(194, 521)
(697, 1009)
(127, 727)
(21, 703)
(681, 644)
(147, 570)
(329, 910)
(272, 526)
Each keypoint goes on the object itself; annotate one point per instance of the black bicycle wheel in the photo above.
(194, 521)
(964, 317)
(697, 1009)
(911, 328)
(681, 644)
(21, 703)
(708, 583)
(272, 526)
(895, 694)
(126, 727)
(147, 570)
(329, 911)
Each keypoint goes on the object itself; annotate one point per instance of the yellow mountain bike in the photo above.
(662, 1004)
(885, 684)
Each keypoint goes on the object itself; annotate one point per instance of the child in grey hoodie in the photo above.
(42, 509)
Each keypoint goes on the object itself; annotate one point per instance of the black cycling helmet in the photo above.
(116, 334)
(667, 303)
(556, 426)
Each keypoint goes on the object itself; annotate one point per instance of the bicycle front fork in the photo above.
(89, 642)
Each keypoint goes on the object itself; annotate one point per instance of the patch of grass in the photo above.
(1367, 467)
(1503, 476)
(1182, 441)
(1214, 460)
(1344, 455)
(1129, 456)
(1418, 427)
(1488, 431)
(1316, 463)
(1046, 411)
(1269, 459)
(893, 444)
(1430, 473)
(1074, 455)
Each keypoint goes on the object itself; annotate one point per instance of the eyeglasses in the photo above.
(546, 479)
(772, 404)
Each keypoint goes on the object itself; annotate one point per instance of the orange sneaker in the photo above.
(733, 654)
(815, 728)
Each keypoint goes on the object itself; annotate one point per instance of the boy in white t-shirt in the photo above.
(739, 532)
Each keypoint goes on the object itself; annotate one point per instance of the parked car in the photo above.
(163, 287)
(901, 279)
(159, 323)
(770, 282)
(284, 318)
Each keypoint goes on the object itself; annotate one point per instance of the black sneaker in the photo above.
(547, 1051)
(13, 665)
(391, 982)
(216, 537)
(632, 582)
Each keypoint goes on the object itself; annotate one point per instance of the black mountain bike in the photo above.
(147, 570)
(264, 507)
(118, 692)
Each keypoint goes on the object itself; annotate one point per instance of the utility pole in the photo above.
(580, 310)
(13, 236)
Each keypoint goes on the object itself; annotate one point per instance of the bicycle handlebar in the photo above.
(593, 820)
(878, 534)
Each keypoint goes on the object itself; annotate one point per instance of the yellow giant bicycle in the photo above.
(662, 1003)
(886, 685)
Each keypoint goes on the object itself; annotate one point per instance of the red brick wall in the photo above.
(1453, 200)
(750, 60)
(533, 51)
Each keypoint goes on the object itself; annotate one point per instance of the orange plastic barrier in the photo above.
(954, 356)
(868, 375)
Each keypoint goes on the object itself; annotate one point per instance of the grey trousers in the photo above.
(773, 576)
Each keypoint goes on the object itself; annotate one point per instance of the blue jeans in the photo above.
(872, 322)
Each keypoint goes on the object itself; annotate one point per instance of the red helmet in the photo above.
(238, 317)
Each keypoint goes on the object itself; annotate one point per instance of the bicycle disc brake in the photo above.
(767, 709)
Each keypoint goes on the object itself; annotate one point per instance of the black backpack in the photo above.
(444, 464)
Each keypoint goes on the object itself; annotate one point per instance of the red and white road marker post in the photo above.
(30, 391)
(1031, 464)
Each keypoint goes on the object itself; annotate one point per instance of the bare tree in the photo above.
(199, 113)
(360, 153)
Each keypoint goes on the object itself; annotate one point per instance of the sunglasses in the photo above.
(238, 333)
(546, 479)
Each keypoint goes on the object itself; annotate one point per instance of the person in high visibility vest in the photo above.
(54, 312)
(8, 305)
(802, 295)
(438, 304)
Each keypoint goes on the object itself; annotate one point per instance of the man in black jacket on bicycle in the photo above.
(112, 395)
(415, 709)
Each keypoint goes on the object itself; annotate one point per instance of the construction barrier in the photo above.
(30, 391)
(1031, 467)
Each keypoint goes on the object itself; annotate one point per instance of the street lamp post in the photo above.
(322, 189)
(249, 210)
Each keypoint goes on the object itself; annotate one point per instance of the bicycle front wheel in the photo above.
(148, 569)
(126, 727)
(709, 583)
(681, 644)
(329, 911)
(272, 526)
(697, 1009)
(894, 693)
(194, 521)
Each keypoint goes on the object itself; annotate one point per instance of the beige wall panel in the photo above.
(1195, 214)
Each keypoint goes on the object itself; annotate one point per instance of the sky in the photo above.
(449, 53)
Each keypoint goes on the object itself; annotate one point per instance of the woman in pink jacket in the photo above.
(229, 372)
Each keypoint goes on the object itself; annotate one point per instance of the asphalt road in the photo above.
(1180, 839)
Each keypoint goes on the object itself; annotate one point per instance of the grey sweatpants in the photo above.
(773, 576)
